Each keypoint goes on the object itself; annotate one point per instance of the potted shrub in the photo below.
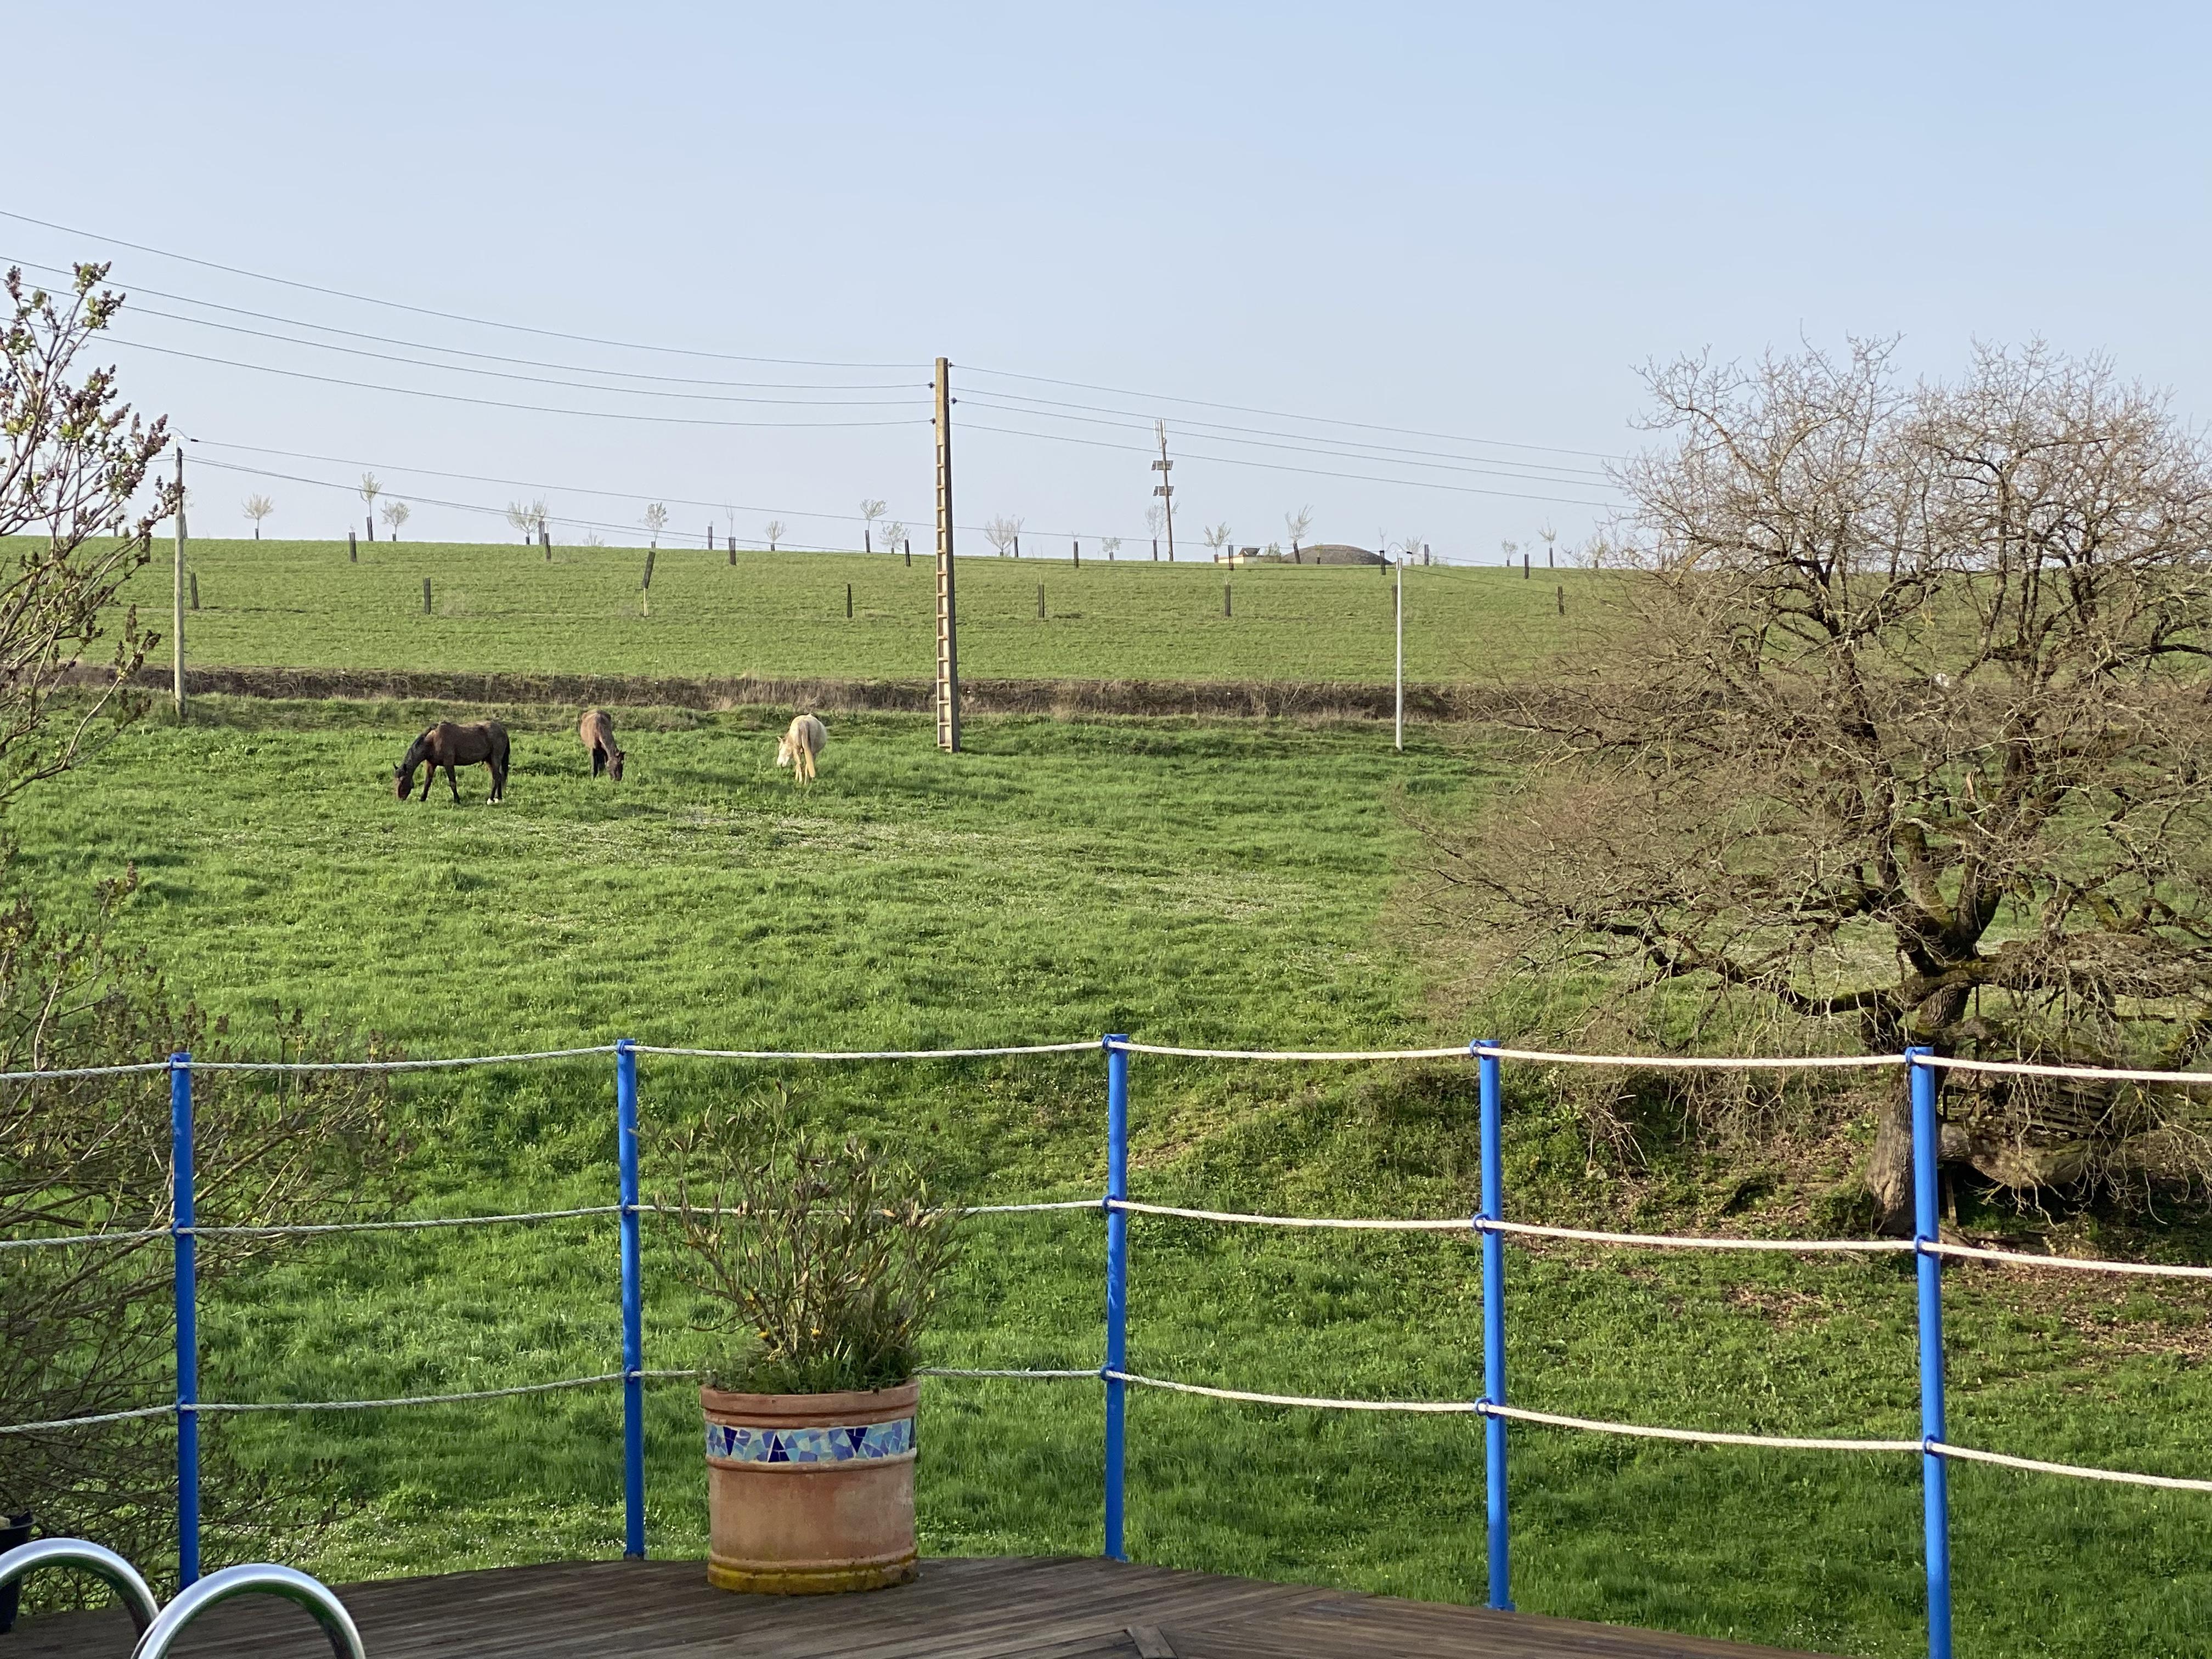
(817, 1260)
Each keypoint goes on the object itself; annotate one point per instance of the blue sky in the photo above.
(1468, 223)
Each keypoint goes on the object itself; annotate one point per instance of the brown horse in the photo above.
(450, 745)
(597, 733)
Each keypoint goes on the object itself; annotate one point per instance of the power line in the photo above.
(587, 339)
(1143, 418)
(1303, 471)
(451, 351)
(495, 402)
(533, 379)
(1289, 415)
(1500, 472)
(448, 316)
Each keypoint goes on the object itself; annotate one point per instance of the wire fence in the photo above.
(1487, 1229)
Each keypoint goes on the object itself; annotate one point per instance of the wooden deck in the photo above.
(1006, 1608)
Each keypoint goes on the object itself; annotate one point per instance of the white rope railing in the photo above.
(1459, 1052)
(1455, 1224)
(81, 1422)
(1698, 1437)
(2024, 1068)
(49, 1240)
(85, 1071)
(1459, 1407)
(969, 1370)
(1689, 1241)
(1089, 1046)
(2070, 1263)
(407, 1225)
(206, 1406)
(2078, 1470)
(1703, 1062)
(303, 1066)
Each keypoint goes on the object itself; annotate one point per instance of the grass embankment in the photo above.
(508, 609)
(1213, 884)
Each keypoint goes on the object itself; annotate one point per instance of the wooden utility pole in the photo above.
(1399, 737)
(1165, 488)
(948, 652)
(176, 607)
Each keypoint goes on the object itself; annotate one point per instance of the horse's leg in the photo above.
(453, 782)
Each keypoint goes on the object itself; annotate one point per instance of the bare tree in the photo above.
(1002, 532)
(72, 458)
(370, 490)
(870, 512)
(1109, 545)
(1217, 537)
(396, 513)
(1905, 741)
(774, 530)
(522, 519)
(1509, 547)
(1297, 524)
(656, 520)
(1152, 517)
(894, 536)
(256, 508)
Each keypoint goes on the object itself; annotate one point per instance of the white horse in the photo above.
(798, 746)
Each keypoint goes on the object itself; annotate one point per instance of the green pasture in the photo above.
(1223, 885)
(511, 609)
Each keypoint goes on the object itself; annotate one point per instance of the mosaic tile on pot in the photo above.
(854, 1444)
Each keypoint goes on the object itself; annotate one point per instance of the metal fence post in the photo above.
(1494, 1329)
(633, 1310)
(188, 1340)
(1117, 1283)
(1934, 1477)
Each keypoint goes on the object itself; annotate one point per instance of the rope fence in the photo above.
(1487, 1227)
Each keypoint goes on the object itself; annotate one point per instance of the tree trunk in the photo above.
(1889, 1170)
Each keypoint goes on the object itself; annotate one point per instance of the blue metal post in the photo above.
(1494, 1329)
(1934, 1479)
(633, 1305)
(1117, 1283)
(188, 1337)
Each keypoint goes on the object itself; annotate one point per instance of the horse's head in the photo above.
(784, 748)
(403, 775)
(614, 766)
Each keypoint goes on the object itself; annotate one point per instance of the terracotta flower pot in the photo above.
(808, 1493)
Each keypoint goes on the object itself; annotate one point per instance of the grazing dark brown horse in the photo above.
(450, 745)
(597, 733)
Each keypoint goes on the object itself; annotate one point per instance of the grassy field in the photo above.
(1219, 885)
(508, 609)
